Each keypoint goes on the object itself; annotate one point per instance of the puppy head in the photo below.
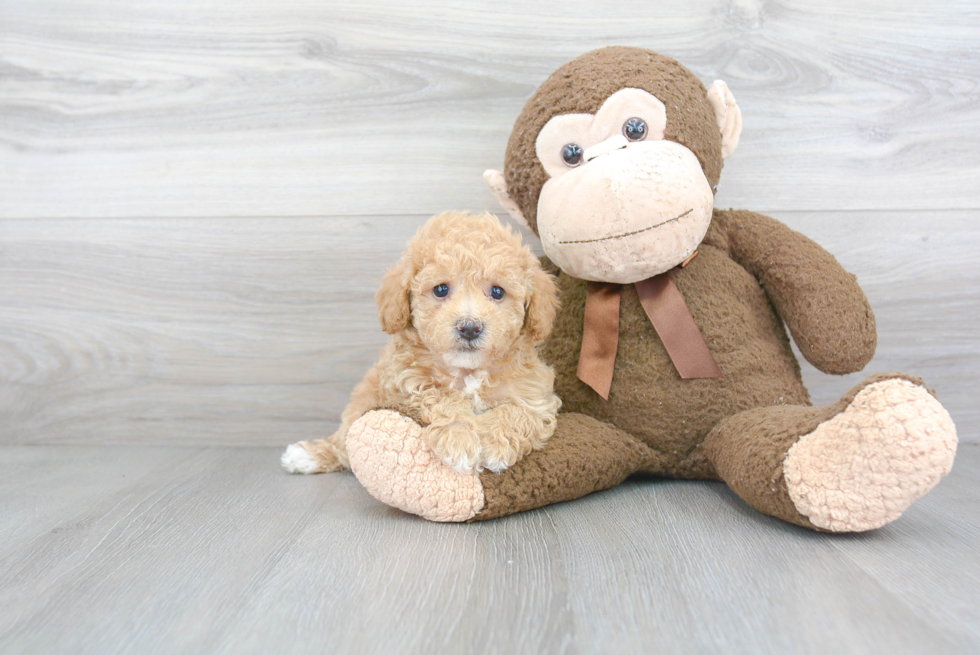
(469, 289)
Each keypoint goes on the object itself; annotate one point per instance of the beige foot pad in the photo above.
(391, 461)
(862, 468)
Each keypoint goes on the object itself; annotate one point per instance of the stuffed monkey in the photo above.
(670, 351)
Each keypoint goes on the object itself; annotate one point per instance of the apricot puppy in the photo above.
(466, 306)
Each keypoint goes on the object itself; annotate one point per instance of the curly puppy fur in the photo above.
(486, 401)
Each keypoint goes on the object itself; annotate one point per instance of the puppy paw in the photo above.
(497, 453)
(456, 444)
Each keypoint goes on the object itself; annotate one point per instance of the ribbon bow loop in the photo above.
(665, 307)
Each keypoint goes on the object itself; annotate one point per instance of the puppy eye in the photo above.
(497, 293)
(441, 290)
(635, 129)
(571, 154)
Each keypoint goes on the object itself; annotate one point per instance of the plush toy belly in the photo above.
(648, 398)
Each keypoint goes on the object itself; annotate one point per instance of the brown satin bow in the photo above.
(665, 307)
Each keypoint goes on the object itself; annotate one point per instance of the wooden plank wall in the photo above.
(197, 199)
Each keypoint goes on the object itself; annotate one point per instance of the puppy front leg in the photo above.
(451, 433)
(328, 455)
(509, 432)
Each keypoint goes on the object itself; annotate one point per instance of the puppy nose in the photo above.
(470, 329)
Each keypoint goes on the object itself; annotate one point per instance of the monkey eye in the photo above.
(571, 154)
(440, 290)
(635, 129)
(497, 293)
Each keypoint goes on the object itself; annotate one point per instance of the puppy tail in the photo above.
(308, 457)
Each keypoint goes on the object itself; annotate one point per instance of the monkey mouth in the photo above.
(628, 234)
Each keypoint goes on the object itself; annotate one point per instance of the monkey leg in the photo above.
(388, 455)
(392, 462)
(852, 466)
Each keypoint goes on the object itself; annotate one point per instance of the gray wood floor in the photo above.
(216, 550)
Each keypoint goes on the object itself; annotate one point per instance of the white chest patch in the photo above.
(472, 384)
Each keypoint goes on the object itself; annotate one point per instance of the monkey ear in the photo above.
(728, 115)
(394, 307)
(542, 304)
(498, 186)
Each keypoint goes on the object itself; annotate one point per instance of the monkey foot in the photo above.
(862, 468)
(391, 461)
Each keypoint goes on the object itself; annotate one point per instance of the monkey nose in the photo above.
(469, 328)
(604, 147)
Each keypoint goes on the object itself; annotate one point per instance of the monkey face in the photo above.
(621, 203)
(614, 160)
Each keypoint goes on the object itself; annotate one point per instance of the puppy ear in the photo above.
(541, 304)
(394, 308)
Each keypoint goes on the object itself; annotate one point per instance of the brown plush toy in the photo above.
(670, 351)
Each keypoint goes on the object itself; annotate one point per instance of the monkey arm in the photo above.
(824, 308)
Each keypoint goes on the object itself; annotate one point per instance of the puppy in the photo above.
(466, 306)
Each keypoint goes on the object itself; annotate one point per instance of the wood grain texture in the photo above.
(254, 331)
(231, 331)
(197, 201)
(198, 550)
(300, 108)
